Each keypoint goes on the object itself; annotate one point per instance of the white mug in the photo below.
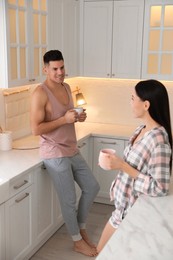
(79, 110)
(103, 158)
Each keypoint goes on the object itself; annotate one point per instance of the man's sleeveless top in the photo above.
(60, 142)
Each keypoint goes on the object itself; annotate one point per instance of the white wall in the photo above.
(108, 100)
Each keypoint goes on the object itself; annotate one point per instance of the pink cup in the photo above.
(103, 158)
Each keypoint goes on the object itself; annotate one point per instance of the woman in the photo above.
(147, 163)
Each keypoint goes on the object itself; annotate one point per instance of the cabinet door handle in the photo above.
(16, 187)
(43, 167)
(22, 198)
(31, 80)
(103, 142)
(82, 145)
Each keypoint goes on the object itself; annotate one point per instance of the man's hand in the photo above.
(71, 116)
(82, 116)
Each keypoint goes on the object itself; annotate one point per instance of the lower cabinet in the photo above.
(32, 214)
(19, 224)
(47, 212)
(84, 147)
(104, 177)
(2, 232)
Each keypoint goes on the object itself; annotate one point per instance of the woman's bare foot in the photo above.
(86, 238)
(82, 247)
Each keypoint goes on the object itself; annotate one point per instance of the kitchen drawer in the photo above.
(20, 183)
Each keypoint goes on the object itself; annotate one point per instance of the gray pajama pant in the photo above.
(65, 172)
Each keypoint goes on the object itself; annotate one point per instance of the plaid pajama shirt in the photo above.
(151, 157)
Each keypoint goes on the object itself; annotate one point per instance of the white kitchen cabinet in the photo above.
(48, 215)
(97, 38)
(27, 40)
(71, 36)
(105, 178)
(19, 227)
(127, 38)
(85, 149)
(2, 232)
(158, 40)
(29, 29)
(64, 32)
(112, 38)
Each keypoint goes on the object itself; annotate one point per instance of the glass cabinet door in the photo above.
(158, 40)
(18, 45)
(27, 39)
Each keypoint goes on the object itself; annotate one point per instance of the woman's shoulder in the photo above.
(159, 135)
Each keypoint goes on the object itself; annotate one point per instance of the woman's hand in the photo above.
(113, 162)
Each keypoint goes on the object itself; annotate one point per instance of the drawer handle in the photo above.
(82, 145)
(103, 142)
(16, 187)
(22, 198)
(43, 167)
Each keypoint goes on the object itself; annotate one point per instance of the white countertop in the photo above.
(25, 153)
(146, 233)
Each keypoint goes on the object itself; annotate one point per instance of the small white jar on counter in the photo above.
(5, 140)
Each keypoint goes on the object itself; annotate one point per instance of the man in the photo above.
(53, 118)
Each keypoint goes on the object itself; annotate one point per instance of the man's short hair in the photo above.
(52, 55)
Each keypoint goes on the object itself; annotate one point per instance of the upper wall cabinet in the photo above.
(27, 40)
(64, 32)
(71, 37)
(97, 38)
(112, 38)
(127, 38)
(158, 40)
(29, 28)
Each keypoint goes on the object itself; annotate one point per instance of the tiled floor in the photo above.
(60, 245)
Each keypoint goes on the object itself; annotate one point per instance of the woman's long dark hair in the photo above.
(156, 93)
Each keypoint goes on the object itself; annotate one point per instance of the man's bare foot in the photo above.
(82, 247)
(86, 238)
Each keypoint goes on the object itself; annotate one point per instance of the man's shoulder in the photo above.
(39, 92)
(66, 85)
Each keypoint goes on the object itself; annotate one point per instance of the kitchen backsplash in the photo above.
(108, 101)
(15, 104)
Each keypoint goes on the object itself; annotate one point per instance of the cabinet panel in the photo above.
(127, 39)
(27, 26)
(97, 38)
(113, 38)
(85, 147)
(64, 16)
(2, 232)
(43, 203)
(105, 178)
(19, 229)
(158, 40)
(70, 36)
(85, 150)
